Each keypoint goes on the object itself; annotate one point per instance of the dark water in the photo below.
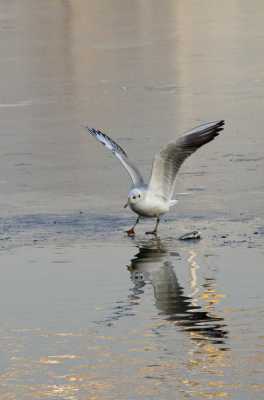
(87, 313)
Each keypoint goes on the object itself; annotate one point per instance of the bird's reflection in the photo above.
(152, 265)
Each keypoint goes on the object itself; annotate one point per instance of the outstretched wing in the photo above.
(134, 173)
(167, 163)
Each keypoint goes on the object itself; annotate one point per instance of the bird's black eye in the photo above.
(139, 196)
(134, 197)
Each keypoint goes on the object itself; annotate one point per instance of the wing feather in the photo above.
(167, 163)
(120, 154)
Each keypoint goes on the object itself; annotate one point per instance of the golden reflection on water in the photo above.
(207, 353)
(144, 360)
(193, 271)
(67, 392)
(144, 366)
(57, 359)
(109, 57)
(205, 356)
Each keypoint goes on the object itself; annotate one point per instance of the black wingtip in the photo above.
(203, 134)
(219, 127)
(221, 124)
(104, 139)
(93, 131)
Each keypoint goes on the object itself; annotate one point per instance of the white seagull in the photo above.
(155, 199)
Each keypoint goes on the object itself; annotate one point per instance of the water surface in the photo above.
(87, 313)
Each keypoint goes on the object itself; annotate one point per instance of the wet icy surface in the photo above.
(86, 312)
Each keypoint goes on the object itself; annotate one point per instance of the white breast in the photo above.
(150, 206)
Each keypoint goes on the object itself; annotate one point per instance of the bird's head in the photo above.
(134, 196)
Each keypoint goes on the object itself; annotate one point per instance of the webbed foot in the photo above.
(151, 232)
(131, 232)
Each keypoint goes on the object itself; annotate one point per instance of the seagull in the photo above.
(155, 198)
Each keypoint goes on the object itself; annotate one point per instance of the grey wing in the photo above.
(134, 173)
(167, 163)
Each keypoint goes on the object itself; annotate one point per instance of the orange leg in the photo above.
(131, 231)
(155, 230)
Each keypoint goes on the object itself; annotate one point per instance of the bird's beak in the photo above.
(125, 206)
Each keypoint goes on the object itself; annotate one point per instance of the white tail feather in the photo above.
(173, 202)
